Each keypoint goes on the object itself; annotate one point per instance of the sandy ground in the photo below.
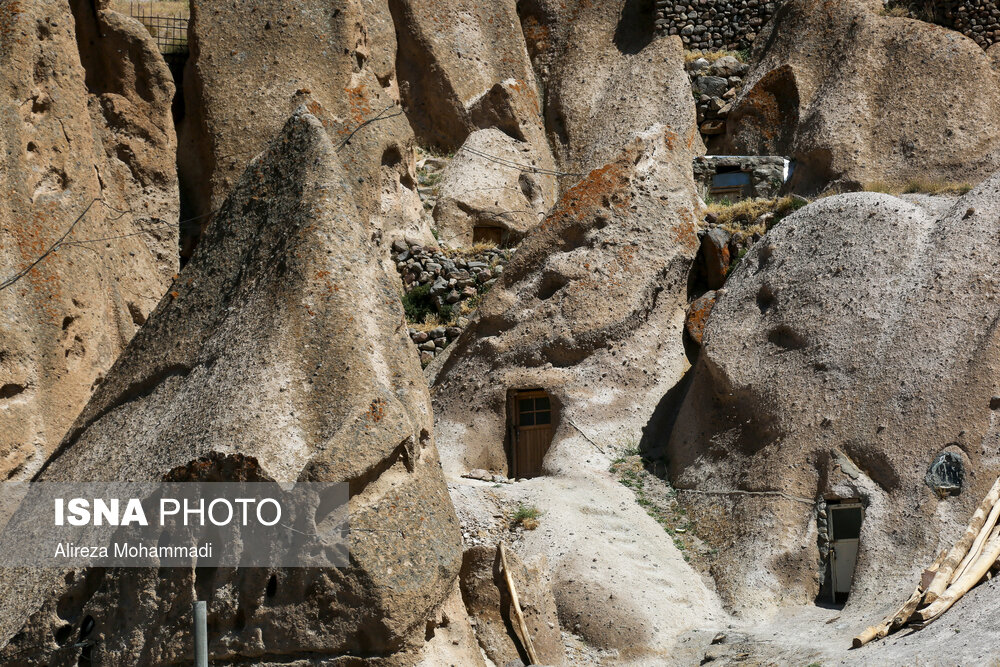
(626, 595)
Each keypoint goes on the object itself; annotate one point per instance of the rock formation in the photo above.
(253, 62)
(281, 354)
(494, 182)
(606, 79)
(598, 286)
(856, 97)
(85, 174)
(487, 597)
(590, 309)
(851, 347)
(131, 92)
(464, 67)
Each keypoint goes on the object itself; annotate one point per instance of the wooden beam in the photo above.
(975, 572)
(528, 645)
(961, 548)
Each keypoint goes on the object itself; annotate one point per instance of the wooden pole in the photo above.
(528, 646)
(977, 546)
(895, 621)
(961, 548)
(972, 576)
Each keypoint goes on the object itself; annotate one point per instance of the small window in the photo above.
(534, 411)
(731, 179)
(846, 522)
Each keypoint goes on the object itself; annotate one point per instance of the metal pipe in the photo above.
(200, 634)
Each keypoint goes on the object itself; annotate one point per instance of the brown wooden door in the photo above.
(532, 432)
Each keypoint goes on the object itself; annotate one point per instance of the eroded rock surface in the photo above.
(606, 79)
(853, 345)
(464, 67)
(281, 345)
(487, 597)
(494, 182)
(594, 294)
(857, 97)
(254, 61)
(86, 163)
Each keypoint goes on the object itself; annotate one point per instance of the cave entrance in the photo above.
(845, 518)
(530, 418)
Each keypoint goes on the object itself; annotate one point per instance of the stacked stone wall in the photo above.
(712, 25)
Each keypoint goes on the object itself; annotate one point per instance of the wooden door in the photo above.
(532, 432)
(845, 533)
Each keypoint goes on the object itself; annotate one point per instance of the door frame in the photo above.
(831, 509)
(514, 470)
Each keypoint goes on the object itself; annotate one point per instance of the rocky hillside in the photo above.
(633, 333)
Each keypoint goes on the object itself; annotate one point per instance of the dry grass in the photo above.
(469, 251)
(712, 56)
(921, 186)
(169, 9)
(922, 10)
(740, 218)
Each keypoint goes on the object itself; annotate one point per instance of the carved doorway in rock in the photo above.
(531, 432)
(845, 536)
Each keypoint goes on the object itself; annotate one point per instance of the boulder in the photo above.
(853, 345)
(600, 285)
(83, 167)
(280, 354)
(715, 257)
(463, 66)
(696, 319)
(606, 79)
(905, 101)
(487, 598)
(131, 94)
(496, 182)
(253, 62)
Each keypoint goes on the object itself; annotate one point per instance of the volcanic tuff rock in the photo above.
(492, 182)
(255, 61)
(132, 91)
(283, 343)
(72, 134)
(463, 67)
(855, 96)
(606, 79)
(853, 344)
(487, 597)
(584, 308)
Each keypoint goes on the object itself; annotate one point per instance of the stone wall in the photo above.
(734, 24)
(443, 287)
(978, 19)
(714, 24)
(764, 175)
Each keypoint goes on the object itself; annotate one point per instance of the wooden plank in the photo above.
(961, 548)
(529, 647)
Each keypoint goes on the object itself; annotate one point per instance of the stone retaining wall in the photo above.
(447, 281)
(714, 24)
(978, 19)
(734, 24)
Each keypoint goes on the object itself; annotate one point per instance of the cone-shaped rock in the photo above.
(282, 341)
